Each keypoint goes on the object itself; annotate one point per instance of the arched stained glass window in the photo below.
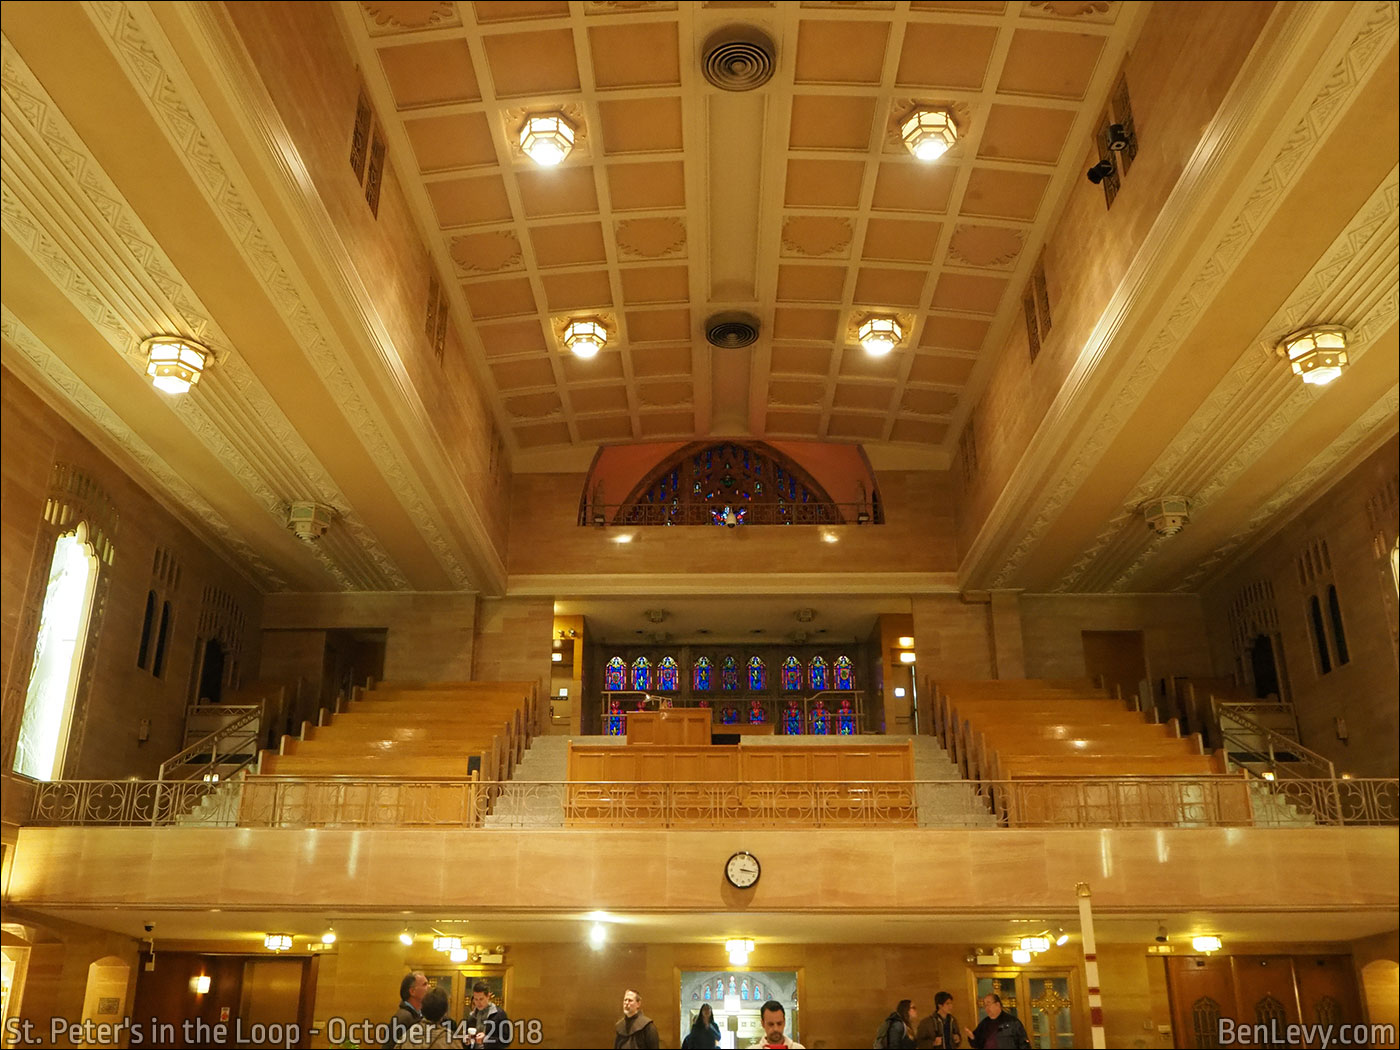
(792, 719)
(816, 673)
(758, 675)
(821, 720)
(641, 673)
(615, 677)
(701, 675)
(845, 675)
(846, 719)
(729, 675)
(667, 675)
(792, 674)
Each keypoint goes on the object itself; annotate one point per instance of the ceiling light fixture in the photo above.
(879, 335)
(929, 133)
(329, 936)
(1061, 937)
(1317, 355)
(1208, 943)
(585, 338)
(277, 942)
(406, 938)
(739, 950)
(906, 657)
(1035, 944)
(446, 944)
(905, 641)
(174, 363)
(547, 139)
(597, 936)
(1020, 956)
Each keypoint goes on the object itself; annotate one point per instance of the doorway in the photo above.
(1264, 665)
(211, 673)
(1046, 1001)
(1118, 657)
(736, 998)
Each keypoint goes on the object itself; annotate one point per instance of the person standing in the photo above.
(411, 991)
(999, 1030)
(897, 1033)
(941, 1029)
(774, 1019)
(490, 1021)
(429, 1033)
(636, 1031)
(704, 1033)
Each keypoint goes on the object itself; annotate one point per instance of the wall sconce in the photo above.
(143, 730)
(585, 338)
(879, 335)
(547, 139)
(904, 641)
(278, 942)
(906, 657)
(329, 936)
(459, 955)
(174, 363)
(557, 658)
(929, 133)
(1020, 956)
(406, 938)
(1317, 355)
(199, 984)
(898, 691)
(1206, 944)
(1100, 171)
(738, 951)
(597, 936)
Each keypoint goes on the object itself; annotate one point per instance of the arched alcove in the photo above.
(108, 985)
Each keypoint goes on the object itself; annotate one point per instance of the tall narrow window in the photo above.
(641, 673)
(1324, 659)
(158, 663)
(1339, 634)
(58, 655)
(144, 652)
(758, 675)
(615, 677)
(701, 675)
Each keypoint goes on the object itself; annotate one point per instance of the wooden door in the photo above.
(1327, 992)
(1265, 991)
(1202, 991)
(1119, 657)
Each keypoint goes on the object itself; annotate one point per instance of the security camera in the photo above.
(1117, 137)
(148, 926)
(1100, 171)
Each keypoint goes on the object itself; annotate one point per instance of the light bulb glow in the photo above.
(547, 139)
(597, 936)
(459, 955)
(928, 133)
(173, 363)
(1316, 355)
(879, 335)
(1207, 943)
(585, 338)
(406, 938)
(329, 936)
(1021, 956)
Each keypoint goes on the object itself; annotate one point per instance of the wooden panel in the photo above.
(1327, 992)
(1202, 990)
(1265, 990)
(677, 726)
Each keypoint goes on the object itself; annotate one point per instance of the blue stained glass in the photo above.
(729, 675)
(846, 719)
(728, 715)
(816, 673)
(641, 673)
(845, 676)
(700, 675)
(821, 720)
(707, 991)
(615, 677)
(667, 675)
(792, 674)
(615, 724)
(758, 675)
(792, 719)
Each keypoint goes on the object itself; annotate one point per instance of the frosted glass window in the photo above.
(58, 653)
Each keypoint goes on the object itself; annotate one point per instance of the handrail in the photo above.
(251, 713)
(1210, 800)
(1276, 742)
(1282, 778)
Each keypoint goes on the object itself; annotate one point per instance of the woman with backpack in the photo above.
(704, 1033)
(897, 1030)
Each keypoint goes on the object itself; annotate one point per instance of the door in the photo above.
(1045, 1001)
(1202, 991)
(1118, 657)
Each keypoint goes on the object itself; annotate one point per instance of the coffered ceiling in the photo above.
(797, 203)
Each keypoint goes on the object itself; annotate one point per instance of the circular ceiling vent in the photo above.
(731, 331)
(738, 58)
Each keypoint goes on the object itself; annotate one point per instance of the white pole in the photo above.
(1091, 966)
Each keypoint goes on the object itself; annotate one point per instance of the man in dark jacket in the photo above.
(636, 1031)
(941, 1029)
(999, 1030)
(490, 1021)
(411, 991)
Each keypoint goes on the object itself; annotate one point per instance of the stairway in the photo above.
(954, 805)
(1273, 810)
(535, 796)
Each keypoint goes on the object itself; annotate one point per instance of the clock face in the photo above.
(742, 870)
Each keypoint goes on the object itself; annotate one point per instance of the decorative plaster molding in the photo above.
(149, 72)
(45, 149)
(1348, 73)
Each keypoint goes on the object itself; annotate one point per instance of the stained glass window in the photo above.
(846, 719)
(758, 714)
(792, 674)
(701, 674)
(729, 675)
(758, 675)
(616, 722)
(845, 676)
(641, 673)
(792, 719)
(821, 720)
(816, 673)
(615, 677)
(728, 715)
(667, 675)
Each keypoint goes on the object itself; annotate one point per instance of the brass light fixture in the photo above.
(928, 133)
(278, 942)
(879, 335)
(174, 363)
(1317, 355)
(547, 139)
(1207, 943)
(585, 338)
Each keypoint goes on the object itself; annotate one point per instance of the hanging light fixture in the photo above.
(879, 335)
(929, 133)
(547, 139)
(738, 951)
(1317, 355)
(278, 942)
(1035, 944)
(1207, 943)
(173, 362)
(585, 338)
(446, 944)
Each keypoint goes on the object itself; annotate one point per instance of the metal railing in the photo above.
(273, 801)
(1256, 748)
(242, 730)
(745, 512)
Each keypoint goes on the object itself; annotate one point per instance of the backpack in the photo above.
(882, 1035)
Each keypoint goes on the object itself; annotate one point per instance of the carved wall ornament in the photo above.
(995, 247)
(386, 17)
(816, 235)
(651, 238)
(494, 252)
(1070, 8)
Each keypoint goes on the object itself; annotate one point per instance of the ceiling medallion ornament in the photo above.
(405, 15)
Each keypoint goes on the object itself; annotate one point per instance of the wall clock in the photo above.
(742, 870)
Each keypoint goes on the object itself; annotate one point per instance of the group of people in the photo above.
(998, 1030)
(421, 1021)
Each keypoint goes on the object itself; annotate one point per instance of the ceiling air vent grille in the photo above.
(731, 331)
(738, 58)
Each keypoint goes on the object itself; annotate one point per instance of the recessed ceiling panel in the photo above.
(538, 63)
